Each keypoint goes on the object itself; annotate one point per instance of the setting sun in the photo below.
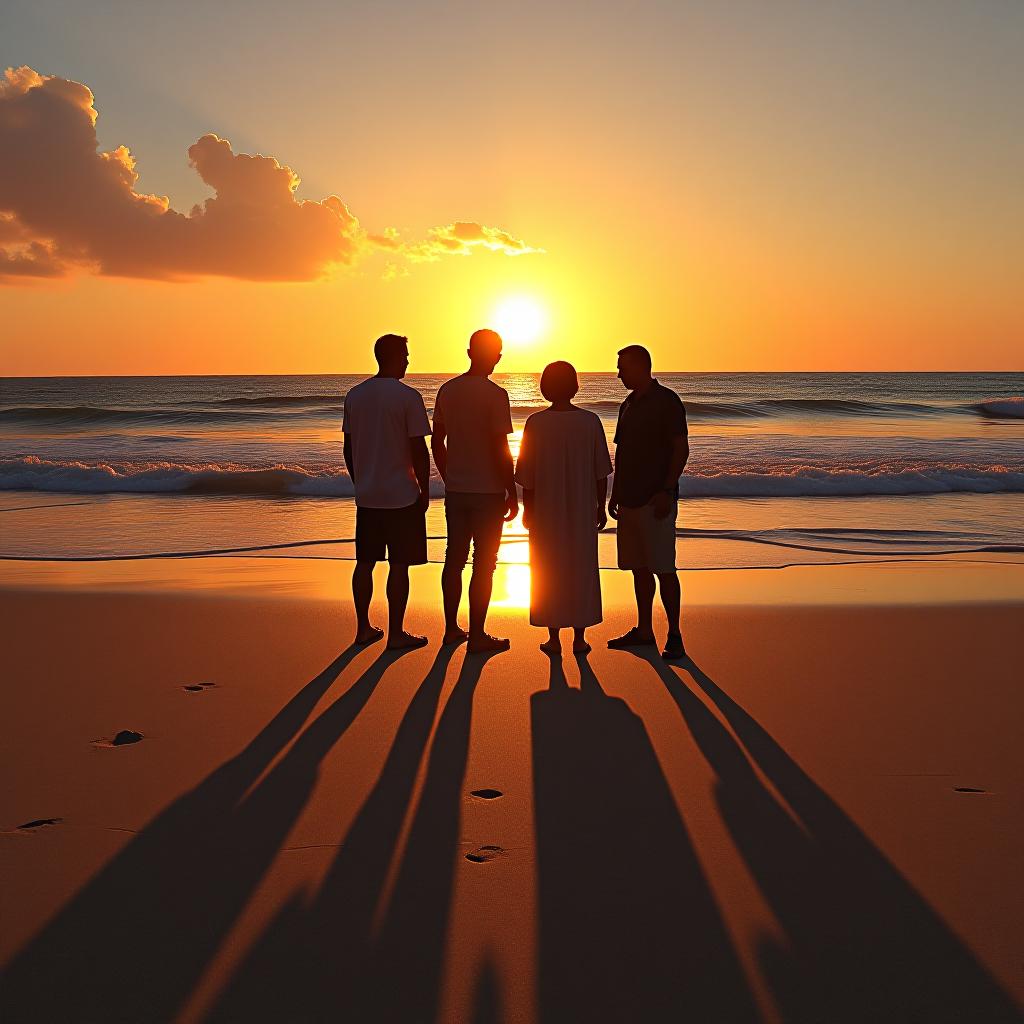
(520, 320)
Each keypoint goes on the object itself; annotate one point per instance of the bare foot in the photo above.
(455, 636)
(370, 636)
(552, 648)
(485, 644)
(581, 647)
(406, 642)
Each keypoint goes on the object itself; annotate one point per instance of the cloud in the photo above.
(462, 237)
(66, 206)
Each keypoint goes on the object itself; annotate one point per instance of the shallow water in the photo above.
(784, 467)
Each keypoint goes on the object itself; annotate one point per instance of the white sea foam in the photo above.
(705, 481)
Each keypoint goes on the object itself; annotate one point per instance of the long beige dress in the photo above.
(562, 456)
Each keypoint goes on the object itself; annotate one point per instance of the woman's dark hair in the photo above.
(558, 382)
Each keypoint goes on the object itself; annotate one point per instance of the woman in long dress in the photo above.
(563, 469)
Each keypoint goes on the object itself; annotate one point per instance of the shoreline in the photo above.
(953, 579)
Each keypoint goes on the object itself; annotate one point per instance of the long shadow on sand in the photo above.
(629, 929)
(862, 944)
(132, 943)
(321, 959)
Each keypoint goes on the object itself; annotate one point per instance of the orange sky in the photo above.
(817, 190)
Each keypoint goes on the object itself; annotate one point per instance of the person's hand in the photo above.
(662, 504)
(613, 507)
(423, 501)
(602, 517)
(511, 506)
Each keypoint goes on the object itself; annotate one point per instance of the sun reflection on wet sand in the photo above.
(512, 578)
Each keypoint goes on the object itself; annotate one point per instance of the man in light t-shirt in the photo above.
(385, 428)
(472, 421)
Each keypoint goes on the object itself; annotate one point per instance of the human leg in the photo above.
(487, 527)
(398, 599)
(631, 541)
(579, 642)
(668, 585)
(362, 594)
(370, 549)
(643, 590)
(455, 557)
(407, 545)
(553, 644)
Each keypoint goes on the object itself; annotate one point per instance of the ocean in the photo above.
(785, 468)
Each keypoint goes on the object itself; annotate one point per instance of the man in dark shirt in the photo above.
(651, 449)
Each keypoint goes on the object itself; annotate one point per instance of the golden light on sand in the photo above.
(512, 586)
(512, 580)
(520, 320)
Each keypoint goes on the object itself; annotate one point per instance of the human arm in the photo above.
(503, 427)
(524, 475)
(508, 477)
(440, 449)
(602, 494)
(527, 507)
(421, 467)
(350, 462)
(418, 429)
(663, 499)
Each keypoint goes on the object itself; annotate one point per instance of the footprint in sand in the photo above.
(482, 854)
(198, 687)
(124, 737)
(40, 822)
(968, 789)
(486, 794)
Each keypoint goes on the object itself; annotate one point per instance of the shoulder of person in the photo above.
(449, 384)
(358, 389)
(669, 394)
(409, 392)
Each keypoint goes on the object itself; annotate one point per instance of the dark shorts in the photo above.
(474, 517)
(398, 534)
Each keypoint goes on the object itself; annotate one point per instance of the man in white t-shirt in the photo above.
(472, 421)
(385, 428)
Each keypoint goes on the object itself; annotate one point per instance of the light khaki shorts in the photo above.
(645, 542)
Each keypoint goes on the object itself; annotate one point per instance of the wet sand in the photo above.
(819, 819)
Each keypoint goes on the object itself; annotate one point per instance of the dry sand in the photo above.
(818, 820)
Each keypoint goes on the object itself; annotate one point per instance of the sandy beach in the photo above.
(819, 819)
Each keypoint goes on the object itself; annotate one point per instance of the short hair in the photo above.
(485, 343)
(388, 347)
(558, 382)
(638, 354)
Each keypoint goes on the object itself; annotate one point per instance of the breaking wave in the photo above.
(298, 408)
(701, 481)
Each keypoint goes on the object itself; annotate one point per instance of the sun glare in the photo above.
(520, 320)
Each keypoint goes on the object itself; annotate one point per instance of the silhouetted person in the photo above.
(385, 425)
(472, 421)
(563, 468)
(651, 450)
